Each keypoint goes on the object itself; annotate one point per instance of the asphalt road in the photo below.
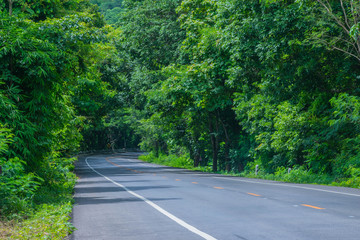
(120, 197)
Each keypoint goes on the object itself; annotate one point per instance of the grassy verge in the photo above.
(5, 229)
(174, 161)
(48, 222)
(296, 175)
(46, 215)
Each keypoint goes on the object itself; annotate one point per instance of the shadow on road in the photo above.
(100, 200)
(116, 189)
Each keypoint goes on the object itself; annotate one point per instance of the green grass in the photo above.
(168, 160)
(48, 222)
(173, 160)
(5, 229)
(45, 221)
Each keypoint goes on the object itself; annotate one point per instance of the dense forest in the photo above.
(228, 84)
(233, 84)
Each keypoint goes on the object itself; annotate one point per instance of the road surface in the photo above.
(120, 197)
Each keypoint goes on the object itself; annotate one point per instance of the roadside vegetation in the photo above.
(297, 175)
(51, 55)
(34, 207)
(234, 84)
(219, 86)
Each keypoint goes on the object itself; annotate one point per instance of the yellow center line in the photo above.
(218, 187)
(107, 159)
(177, 180)
(253, 194)
(194, 182)
(117, 165)
(310, 206)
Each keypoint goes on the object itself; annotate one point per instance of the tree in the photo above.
(284, 84)
(196, 90)
(342, 16)
(39, 71)
(111, 9)
(148, 40)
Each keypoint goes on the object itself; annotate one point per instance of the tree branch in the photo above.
(345, 16)
(352, 11)
(329, 10)
(345, 51)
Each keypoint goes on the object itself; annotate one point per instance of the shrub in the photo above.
(17, 188)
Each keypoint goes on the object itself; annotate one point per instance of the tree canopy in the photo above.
(238, 83)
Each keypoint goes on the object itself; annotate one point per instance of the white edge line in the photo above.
(157, 207)
(287, 185)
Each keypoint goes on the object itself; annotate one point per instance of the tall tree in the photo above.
(39, 70)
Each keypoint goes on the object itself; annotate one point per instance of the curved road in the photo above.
(120, 197)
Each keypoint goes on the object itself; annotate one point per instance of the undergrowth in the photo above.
(44, 212)
(173, 160)
(298, 174)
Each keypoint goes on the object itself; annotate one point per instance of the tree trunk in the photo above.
(196, 159)
(157, 150)
(10, 6)
(215, 153)
(240, 167)
(217, 145)
(213, 145)
(227, 144)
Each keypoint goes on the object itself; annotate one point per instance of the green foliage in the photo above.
(337, 26)
(301, 175)
(151, 32)
(344, 125)
(226, 85)
(17, 188)
(53, 81)
(38, 73)
(39, 10)
(49, 222)
(46, 202)
(171, 160)
(110, 8)
(243, 83)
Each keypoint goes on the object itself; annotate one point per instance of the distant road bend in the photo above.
(120, 197)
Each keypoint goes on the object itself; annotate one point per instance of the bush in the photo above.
(49, 222)
(171, 160)
(17, 188)
(39, 207)
(301, 175)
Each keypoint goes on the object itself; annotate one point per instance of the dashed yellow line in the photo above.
(254, 194)
(117, 165)
(310, 206)
(107, 159)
